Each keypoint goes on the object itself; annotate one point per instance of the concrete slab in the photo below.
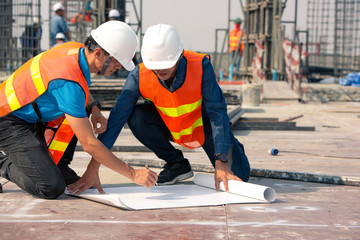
(273, 91)
(304, 210)
(330, 152)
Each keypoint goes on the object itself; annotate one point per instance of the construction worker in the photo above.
(30, 40)
(114, 14)
(60, 39)
(53, 85)
(88, 15)
(58, 23)
(234, 37)
(185, 105)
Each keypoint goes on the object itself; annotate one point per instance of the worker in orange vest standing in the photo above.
(43, 105)
(236, 49)
(184, 104)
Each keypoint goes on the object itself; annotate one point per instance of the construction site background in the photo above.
(328, 49)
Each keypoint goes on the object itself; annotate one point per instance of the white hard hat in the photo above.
(162, 47)
(60, 36)
(36, 20)
(58, 6)
(119, 40)
(114, 13)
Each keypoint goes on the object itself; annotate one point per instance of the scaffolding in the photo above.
(21, 25)
(334, 34)
(84, 15)
(20, 33)
(262, 22)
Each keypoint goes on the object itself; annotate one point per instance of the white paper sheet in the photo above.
(203, 193)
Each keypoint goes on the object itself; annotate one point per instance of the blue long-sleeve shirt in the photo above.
(214, 105)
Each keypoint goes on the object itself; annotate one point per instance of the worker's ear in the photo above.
(98, 52)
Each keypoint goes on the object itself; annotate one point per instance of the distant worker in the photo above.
(184, 105)
(58, 23)
(52, 89)
(234, 37)
(114, 14)
(60, 39)
(30, 40)
(88, 15)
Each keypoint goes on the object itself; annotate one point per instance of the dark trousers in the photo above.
(237, 61)
(26, 161)
(149, 128)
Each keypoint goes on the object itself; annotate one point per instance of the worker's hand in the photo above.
(145, 177)
(98, 120)
(223, 174)
(88, 180)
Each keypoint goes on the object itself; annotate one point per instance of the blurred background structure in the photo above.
(328, 47)
(334, 36)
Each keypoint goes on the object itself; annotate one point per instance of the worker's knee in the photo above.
(53, 189)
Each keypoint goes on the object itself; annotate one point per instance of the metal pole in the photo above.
(295, 20)
(140, 22)
(228, 27)
(335, 41)
(300, 71)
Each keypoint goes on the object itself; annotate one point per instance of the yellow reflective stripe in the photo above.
(181, 110)
(65, 121)
(10, 94)
(35, 74)
(188, 130)
(58, 146)
(73, 51)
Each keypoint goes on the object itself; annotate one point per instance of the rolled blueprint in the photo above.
(250, 190)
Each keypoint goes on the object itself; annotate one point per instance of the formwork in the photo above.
(20, 33)
(23, 25)
(334, 34)
(262, 24)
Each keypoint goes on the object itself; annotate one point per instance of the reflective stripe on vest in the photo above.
(58, 142)
(180, 110)
(36, 78)
(31, 80)
(234, 38)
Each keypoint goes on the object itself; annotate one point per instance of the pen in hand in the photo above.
(146, 166)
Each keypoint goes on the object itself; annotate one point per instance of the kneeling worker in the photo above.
(49, 87)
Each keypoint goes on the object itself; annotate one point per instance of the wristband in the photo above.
(221, 157)
(91, 105)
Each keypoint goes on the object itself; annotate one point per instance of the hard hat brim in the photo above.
(159, 65)
(128, 65)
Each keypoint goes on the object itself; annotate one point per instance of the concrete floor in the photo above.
(303, 209)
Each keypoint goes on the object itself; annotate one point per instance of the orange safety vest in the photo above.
(77, 17)
(32, 79)
(234, 37)
(181, 109)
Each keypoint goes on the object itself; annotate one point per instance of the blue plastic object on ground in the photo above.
(273, 151)
(352, 79)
